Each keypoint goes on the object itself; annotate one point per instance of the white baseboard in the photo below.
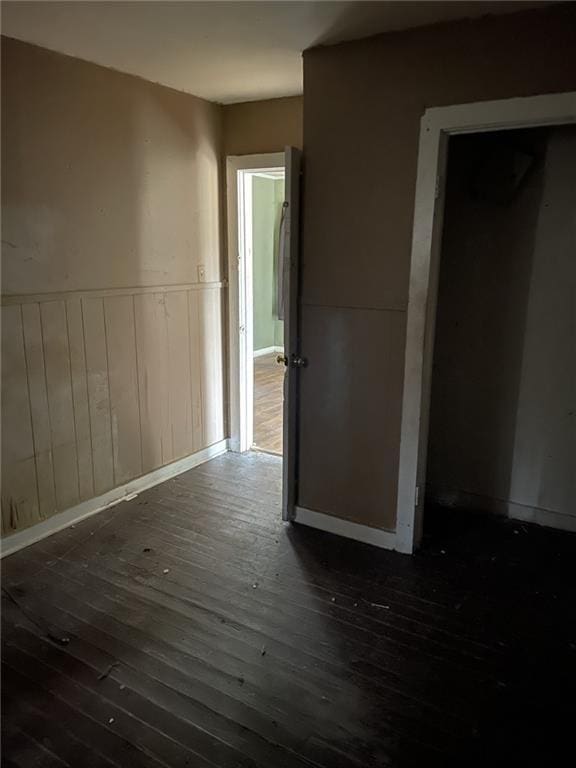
(510, 509)
(20, 539)
(268, 351)
(540, 516)
(346, 528)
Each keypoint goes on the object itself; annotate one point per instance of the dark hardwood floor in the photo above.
(190, 627)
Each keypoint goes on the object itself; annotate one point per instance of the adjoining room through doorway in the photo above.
(267, 310)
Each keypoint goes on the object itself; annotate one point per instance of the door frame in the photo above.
(436, 126)
(240, 321)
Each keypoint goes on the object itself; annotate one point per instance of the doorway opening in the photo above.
(265, 233)
(502, 437)
(438, 126)
(256, 229)
(263, 198)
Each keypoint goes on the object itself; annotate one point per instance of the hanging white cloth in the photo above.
(282, 262)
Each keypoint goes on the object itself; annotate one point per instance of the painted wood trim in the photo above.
(435, 127)
(519, 112)
(20, 539)
(506, 508)
(268, 351)
(258, 162)
(246, 307)
(39, 298)
(539, 516)
(346, 528)
(238, 363)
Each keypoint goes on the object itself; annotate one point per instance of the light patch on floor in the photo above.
(268, 386)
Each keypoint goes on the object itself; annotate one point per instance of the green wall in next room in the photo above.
(267, 197)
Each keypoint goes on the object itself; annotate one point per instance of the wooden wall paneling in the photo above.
(123, 382)
(19, 486)
(100, 389)
(36, 374)
(195, 377)
(80, 397)
(98, 393)
(60, 403)
(211, 365)
(162, 362)
(151, 344)
(179, 392)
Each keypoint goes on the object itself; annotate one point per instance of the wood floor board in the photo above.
(261, 593)
(210, 619)
(32, 753)
(250, 742)
(183, 545)
(341, 656)
(201, 562)
(163, 537)
(185, 675)
(242, 491)
(383, 702)
(83, 714)
(193, 681)
(276, 723)
(189, 544)
(209, 504)
(258, 641)
(182, 569)
(183, 728)
(247, 644)
(62, 741)
(248, 612)
(268, 403)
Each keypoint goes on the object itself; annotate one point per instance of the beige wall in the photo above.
(112, 358)
(362, 107)
(263, 126)
(502, 426)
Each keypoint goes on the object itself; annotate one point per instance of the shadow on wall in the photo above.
(363, 19)
(502, 410)
(112, 327)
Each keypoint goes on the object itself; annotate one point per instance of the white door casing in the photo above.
(436, 126)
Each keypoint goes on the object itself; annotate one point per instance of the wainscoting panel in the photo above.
(101, 387)
(19, 475)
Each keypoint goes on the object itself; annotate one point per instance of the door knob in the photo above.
(295, 361)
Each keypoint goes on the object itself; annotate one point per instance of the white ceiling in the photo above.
(222, 51)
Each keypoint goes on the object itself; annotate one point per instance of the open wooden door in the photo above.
(292, 359)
